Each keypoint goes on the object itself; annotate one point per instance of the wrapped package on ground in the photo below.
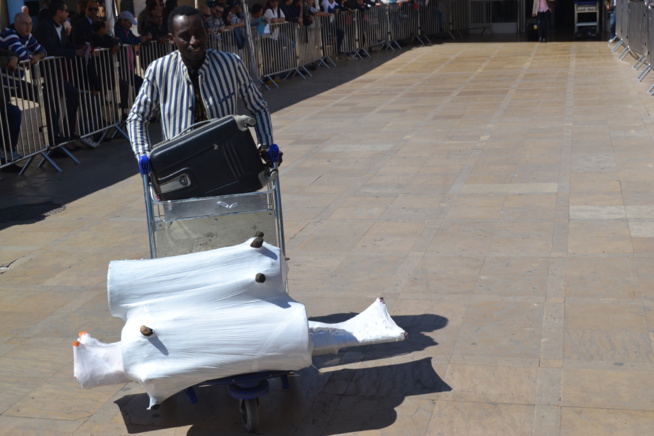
(206, 315)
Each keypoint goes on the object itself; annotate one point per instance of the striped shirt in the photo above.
(167, 85)
(23, 46)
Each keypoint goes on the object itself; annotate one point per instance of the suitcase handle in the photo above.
(242, 121)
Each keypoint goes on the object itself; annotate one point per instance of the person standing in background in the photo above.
(611, 6)
(541, 10)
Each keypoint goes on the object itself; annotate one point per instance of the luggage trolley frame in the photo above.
(196, 224)
(587, 19)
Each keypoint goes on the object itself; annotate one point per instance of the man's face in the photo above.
(156, 17)
(92, 10)
(190, 37)
(125, 23)
(23, 25)
(61, 15)
(217, 11)
(206, 13)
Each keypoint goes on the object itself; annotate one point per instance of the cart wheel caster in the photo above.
(250, 414)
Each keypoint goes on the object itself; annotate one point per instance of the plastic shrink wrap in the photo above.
(372, 326)
(211, 314)
(96, 363)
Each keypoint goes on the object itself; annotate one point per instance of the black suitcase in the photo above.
(217, 157)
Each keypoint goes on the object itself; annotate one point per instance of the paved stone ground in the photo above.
(498, 195)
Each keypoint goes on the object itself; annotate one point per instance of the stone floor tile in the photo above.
(598, 421)
(491, 384)
(608, 345)
(599, 237)
(587, 314)
(607, 389)
(472, 418)
(367, 208)
(464, 239)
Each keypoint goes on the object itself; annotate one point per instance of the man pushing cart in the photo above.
(211, 306)
(194, 84)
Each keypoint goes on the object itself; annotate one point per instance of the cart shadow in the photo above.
(322, 399)
(318, 402)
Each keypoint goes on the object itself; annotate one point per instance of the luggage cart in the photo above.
(587, 19)
(185, 226)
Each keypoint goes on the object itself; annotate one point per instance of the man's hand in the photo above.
(34, 59)
(13, 64)
(271, 154)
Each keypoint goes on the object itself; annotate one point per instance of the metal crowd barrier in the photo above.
(308, 46)
(23, 131)
(431, 20)
(637, 34)
(95, 78)
(60, 99)
(457, 15)
(375, 28)
(233, 41)
(331, 38)
(276, 51)
(403, 22)
(146, 53)
(132, 61)
(39, 94)
(650, 45)
(635, 29)
(348, 22)
(622, 26)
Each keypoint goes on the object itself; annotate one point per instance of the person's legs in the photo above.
(13, 116)
(612, 18)
(72, 104)
(543, 21)
(546, 25)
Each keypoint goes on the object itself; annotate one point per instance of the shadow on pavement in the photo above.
(322, 399)
(317, 403)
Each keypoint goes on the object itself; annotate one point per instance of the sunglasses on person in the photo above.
(92, 9)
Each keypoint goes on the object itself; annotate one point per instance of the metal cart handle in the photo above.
(144, 169)
(242, 121)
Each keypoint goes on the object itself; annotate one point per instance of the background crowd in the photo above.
(77, 34)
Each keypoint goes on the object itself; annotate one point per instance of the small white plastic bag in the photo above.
(96, 363)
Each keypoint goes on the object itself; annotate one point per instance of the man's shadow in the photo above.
(321, 400)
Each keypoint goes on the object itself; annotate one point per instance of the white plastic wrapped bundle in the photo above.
(372, 326)
(97, 363)
(211, 316)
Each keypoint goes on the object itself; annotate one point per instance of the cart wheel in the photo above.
(250, 414)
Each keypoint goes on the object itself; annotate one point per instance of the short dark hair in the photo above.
(186, 11)
(56, 5)
(256, 8)
(97, 25)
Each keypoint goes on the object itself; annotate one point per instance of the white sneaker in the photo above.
(615, 38)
